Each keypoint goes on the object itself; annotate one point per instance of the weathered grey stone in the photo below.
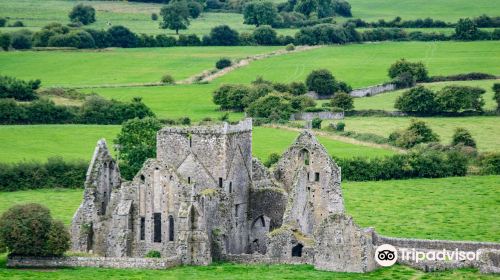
(205, 198)
(307, 116)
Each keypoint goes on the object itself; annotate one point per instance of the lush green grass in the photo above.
(485, 130)
(117, 66)
(447, 10)
(366, 64)
(457, 208)
(386, 101)
(38, 142)
(460, 208)
(233, 271)
(177, 101)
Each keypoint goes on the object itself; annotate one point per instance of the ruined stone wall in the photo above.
(101, 262)
(373, 90)
(307, 116)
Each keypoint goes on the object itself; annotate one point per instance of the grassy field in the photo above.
(460, 208)
(228, 271)
(38, 142)
(366, 64)
(386, 101)
(117, 66)
(485, 130)
(447, 10)
(177, 101)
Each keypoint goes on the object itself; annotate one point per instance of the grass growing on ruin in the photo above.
(225, 271)
(385, 101)
(458, 208)
(485, 130)
(38, 142)
(117, 66)
(366, 64)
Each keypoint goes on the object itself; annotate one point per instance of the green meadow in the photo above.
(485, 130)
(117, 66)
(77, 142)
(457, 208)
(447, 10)
(226, 271)
(363, 65)
(358, 64)
(386, 101)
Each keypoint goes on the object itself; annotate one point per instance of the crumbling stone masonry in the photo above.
(204, 198)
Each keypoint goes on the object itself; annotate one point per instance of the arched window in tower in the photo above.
(304, 155)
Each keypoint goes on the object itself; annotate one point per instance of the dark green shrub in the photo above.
(340, 126)
(273, 106)
(231, 97)
(223, 35)
(489, 163)
(17, 23)
(18, 89)
(154, 16)
(76, 39)
(223, 63)
(417, 100)
(463, 77)
(272, 159)
(82, 13)
(316, 123)
(322, 82)
(194, 8)
(290, 47)
(496, 95)
(165, 41)
(167, 79)
(281, 87)
(265, 35)
(153, 254)
(457, 98)
(417, 70)
(342, 100)
(21, 40)
(418, 132)
(463, 136)
(122, 37)
(3, 22)
(5, 41)
(299, 103)
(28, 230)
(466, 30)
(184, 121)
(297, 88)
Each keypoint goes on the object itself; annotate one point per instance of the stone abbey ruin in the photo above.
(205, 198)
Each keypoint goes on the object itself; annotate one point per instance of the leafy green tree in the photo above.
(122, 37)
(306, 7)
(265, 35)
(195, 9)
(21, 40)
(417, 70)
(18, 89)
(463, 136)
(342, 100)
(322, 82)
(297, 88)
(272, 106)
(496, 95)
(417, 100)
(5, 41)
(231, 97)
(82, 13)
(175, 16)
(260, 13)
(28, 230)
(223, 63)
(418, 132)
(137, 142)
(316, 123)
(223, 35)
(457, 98)
(466, 30)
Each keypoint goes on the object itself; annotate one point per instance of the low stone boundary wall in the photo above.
(488, 260)
(307, 116)
(373, 90)
(436, 244)
(51, 262)
(262, 259)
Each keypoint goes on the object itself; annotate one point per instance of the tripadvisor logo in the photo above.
(386, 255)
